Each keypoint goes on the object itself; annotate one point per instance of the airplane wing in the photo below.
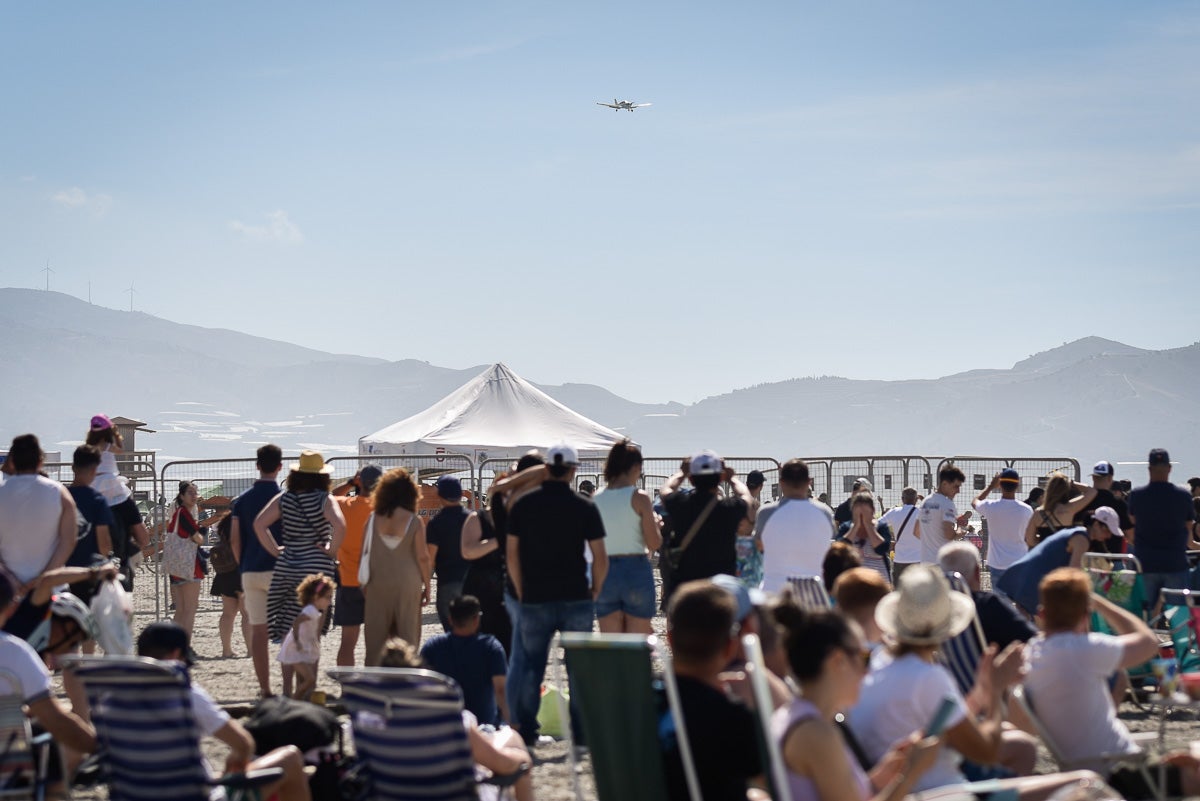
(609, 105)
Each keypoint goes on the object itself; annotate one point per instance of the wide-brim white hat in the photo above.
(923, 610)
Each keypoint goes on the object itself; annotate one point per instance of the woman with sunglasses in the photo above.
(828, 657)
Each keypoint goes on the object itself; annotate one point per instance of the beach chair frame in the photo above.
(407, 723)
(772, 755)
(1139, 758)
(24, 758)
(137, 703)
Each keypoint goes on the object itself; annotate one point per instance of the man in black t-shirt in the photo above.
(720, 729)
(713, 549)
(1102, 480)
(443, 537)
(548, 530)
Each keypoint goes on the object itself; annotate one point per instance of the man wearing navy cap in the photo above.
(1161, 513)
(1006, 521)
(443, 536)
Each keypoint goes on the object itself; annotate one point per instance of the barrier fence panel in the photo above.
(219, 481)
(889, 475)
(655, 472)
(146, 495)
(426, 469)
(1034, 472)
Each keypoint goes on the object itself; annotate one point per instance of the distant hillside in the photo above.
(211, 392)
(1093, 399)
(216, 393)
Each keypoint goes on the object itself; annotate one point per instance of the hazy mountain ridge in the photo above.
(214, 392)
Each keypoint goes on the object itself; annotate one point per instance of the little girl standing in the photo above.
(301, 648)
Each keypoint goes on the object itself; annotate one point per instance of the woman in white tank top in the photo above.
(627, 600)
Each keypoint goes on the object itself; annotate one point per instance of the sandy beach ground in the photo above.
(231, 682)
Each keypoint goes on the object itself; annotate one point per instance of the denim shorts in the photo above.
(628, 588)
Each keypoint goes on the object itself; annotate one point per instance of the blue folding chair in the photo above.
(409, 735)
(149, 742)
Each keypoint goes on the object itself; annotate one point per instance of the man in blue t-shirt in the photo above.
(476, 661)
(1160, 512)
(94, 518)
(256, 565)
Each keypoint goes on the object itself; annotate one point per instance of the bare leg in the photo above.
(1018, 752)
(294, 784)
(241, 599)
(306, 680)
(1040, 788)
(638, 625)
(229, 610)
(613, 623)
(187, 600)
(502, 753)
(345, 657)
(260, 655)
(289, 673)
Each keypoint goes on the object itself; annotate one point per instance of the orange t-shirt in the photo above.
(356, 509)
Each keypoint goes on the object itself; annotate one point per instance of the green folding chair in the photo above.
(613, 684)
(1118, 578)
(1179, 619)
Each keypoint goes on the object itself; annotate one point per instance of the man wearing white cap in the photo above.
(548, 530)
(704, 542)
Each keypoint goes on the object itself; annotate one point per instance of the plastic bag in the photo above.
(112, 607)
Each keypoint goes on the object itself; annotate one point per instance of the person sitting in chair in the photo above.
(26, 676)
(169, 641)
(500, 751)
(1067, 682)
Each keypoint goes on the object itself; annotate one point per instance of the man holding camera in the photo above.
(704, 542)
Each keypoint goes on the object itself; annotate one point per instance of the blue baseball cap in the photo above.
(449, 487)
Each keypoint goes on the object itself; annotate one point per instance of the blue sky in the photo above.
(874, 190)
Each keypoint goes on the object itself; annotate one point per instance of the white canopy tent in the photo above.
(497, 414)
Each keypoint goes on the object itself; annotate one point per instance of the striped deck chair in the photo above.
(809, 592)
(409, 735)
(962, 652)
(23, 758)
(147, 733)
(622, 737)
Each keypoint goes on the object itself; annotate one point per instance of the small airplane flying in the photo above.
(623, 105)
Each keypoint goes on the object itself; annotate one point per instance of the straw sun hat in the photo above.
(311, 462)
(923, 610)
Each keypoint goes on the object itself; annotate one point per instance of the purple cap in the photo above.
(100, 422)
